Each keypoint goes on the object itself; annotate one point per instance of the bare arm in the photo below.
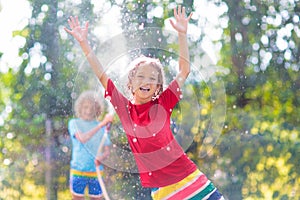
(80, 34)
(84, 137)
(184, 58)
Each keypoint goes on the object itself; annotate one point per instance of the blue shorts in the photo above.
(79, 181)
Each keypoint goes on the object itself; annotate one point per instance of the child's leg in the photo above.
(75, 197)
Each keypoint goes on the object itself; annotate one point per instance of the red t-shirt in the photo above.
(159, 158)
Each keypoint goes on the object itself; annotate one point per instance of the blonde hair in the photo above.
(142, 61)
(93, 98)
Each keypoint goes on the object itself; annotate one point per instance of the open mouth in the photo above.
(144, 89)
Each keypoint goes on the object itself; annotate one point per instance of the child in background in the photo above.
(86, 134)
(163, 166)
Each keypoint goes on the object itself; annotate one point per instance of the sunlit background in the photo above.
(243, 131)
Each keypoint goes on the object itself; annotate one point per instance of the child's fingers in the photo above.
(190, 16)
(76, 20)
(179, 10)
(175, 13)
(183, 12)
(97, 162)
(86, 25)
(172, 24)
(67, 30)
(70, 22)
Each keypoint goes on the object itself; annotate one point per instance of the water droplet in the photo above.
(141, 26)
(154, 134)
(108, 98)
(150, 173)
(181, 96)
(134, 140)
(168, 148)
(170, 110)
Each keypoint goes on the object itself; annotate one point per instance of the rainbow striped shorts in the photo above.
(196, 186)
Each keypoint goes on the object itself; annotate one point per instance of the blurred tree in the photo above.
(39, 94)
(262, 40)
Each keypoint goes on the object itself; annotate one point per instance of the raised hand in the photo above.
(80, 34)
(181, 20)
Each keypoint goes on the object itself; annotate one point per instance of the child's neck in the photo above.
(140, 102)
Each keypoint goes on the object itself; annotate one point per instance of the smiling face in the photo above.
(145, 83)
(88, 106)
(87, 110)
(145, 79)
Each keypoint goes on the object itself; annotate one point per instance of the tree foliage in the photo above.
(262, 122)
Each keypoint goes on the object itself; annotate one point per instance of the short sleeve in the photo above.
(72, 127)
(172, 95)
(116, 98)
